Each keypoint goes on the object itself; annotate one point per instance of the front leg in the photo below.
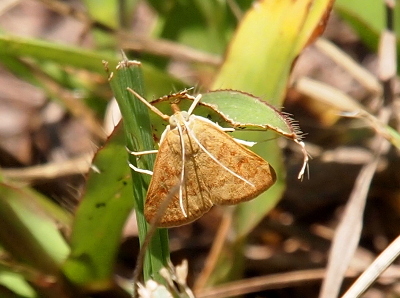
(140, 153)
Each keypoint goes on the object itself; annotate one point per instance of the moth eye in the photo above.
(185, 115)
(172, 121)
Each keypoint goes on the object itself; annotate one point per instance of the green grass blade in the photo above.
(62, 54)
(14, 46)
(139, 138)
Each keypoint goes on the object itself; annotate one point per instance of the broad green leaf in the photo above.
(100, 218)
(235, 109)
(229, 108)
(245, 111)
(258, 61)
(269, 38)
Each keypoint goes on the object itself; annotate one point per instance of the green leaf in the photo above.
(104, 11)
(269, 38)
(258, 61)
(245, 111)
(229, 107)
(29, 231)
(48, 51)
(205, 25)
(16, 283)
(100, 218)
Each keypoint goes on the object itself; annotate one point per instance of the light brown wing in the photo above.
(166, 176)
(223, 186)
(206, 181)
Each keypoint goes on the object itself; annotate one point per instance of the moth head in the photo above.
(177, 118)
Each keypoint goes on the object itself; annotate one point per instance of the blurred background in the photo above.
(55, 113)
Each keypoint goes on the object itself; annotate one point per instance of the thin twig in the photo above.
(271, 281)
(73, 166)
(215, 251)
(167, 48)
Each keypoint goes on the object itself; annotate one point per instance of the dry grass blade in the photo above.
(387, 73)
(282, 280)
(348, 233)
(342, 59)
(66, 9)
(73, 104)
(387, 56)
(327, 94)
(349, 230)
(374, 270)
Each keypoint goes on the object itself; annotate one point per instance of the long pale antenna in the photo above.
(153, 108)
(182, 170)
(194, 104)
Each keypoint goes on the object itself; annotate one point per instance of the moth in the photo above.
(203, 163)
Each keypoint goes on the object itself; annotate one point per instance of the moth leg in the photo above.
(227, 129)
(140, 153)
(143, 171)
(245, 143)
